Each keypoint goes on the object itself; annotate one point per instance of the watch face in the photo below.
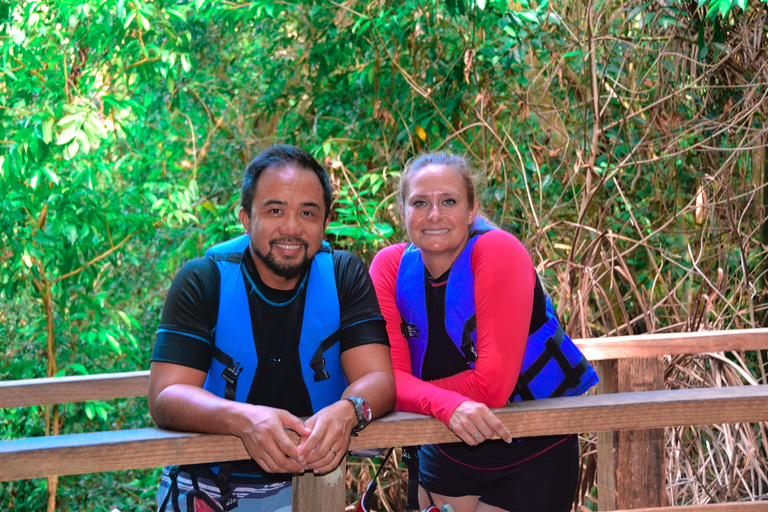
(366, 409)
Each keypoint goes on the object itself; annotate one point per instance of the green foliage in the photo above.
(616, 140)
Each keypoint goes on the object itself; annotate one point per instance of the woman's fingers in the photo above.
(473, 423)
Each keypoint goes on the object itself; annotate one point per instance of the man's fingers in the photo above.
(294, 423)
(327, 463)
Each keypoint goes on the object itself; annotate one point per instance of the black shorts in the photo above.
(537, 474)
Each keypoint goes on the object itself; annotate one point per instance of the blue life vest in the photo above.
(552, 365)
(235, 357)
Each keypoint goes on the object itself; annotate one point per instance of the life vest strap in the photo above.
(467, 343)
(228, 498)
(571, 374)
(318, 361)
(410, 457)
(230, 257)
(230, 374)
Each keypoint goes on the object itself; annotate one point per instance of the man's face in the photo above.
(286, 224)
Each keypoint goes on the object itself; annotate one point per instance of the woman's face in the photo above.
(438, 214)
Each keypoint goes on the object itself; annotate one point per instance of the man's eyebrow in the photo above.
(306, 204)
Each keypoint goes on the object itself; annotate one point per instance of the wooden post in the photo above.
(630, 463)
(320, 493)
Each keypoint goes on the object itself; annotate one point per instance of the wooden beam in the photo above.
(63, 390)
(142, 448)
(606, 441)
(653, 345)
(630, 463)
(325, 493)
(742, 506)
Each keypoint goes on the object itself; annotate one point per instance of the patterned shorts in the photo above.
(251, 497)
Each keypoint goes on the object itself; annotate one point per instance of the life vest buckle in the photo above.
(319, 367)
(232, 372)
(229, 503)
(409, 330)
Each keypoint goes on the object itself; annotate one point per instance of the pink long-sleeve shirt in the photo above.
(504, 287)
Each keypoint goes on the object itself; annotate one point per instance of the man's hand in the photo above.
(368, 369)
(178, 401)
(474, 422)
(264, 436)
(326, 445)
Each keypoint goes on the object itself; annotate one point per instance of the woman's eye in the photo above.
(449, 202)
(419, 203)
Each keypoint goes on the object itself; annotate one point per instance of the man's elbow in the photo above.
(387, 394)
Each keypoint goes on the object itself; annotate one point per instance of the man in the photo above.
(268, 328)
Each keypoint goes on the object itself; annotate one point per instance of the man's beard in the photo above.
(287, 271)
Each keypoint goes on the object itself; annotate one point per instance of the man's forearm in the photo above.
(378, 388)
(193, 409)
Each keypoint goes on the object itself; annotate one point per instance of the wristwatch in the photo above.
(363, 412)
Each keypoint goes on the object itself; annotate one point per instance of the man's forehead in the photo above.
(275, 176)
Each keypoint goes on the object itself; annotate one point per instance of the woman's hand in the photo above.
(474, 422)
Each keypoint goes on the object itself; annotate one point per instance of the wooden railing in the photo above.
(153, 447)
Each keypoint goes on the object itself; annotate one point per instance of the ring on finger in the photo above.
(476, 435)
(334, 452)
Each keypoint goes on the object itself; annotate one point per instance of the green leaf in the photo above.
(51, 175)
(67, 134)
(79, 369)
(18, 36)
(529, 16)
(47, 127)
(75, 119)
(72, 149)
(142, 21)
(70, 232)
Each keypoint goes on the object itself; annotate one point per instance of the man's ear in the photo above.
(245, 220)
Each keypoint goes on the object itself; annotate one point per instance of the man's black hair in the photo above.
(278, 156)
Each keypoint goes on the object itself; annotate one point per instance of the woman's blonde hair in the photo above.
(458, 163)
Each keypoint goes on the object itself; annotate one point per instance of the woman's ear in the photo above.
(473, 212)
(401, 209)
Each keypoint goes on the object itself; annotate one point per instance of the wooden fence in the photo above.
(624, 363)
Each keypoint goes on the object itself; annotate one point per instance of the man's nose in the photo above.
(291, 226)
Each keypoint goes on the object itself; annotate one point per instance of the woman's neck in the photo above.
(437, 264)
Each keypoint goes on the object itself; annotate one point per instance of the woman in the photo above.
(470, 329)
